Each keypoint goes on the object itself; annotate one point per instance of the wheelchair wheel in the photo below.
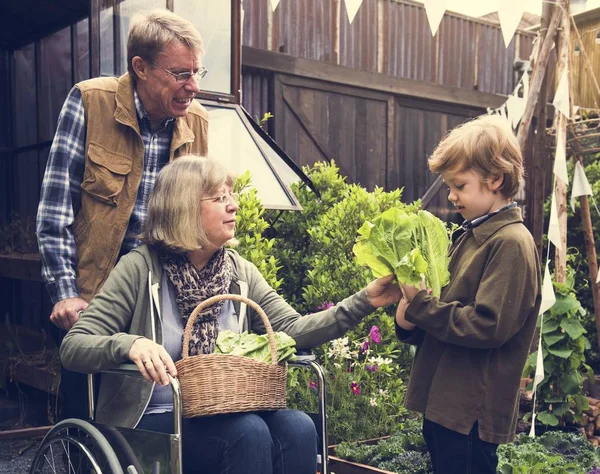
(75, 447)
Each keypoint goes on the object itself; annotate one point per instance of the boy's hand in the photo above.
(409, 291)
(400, 314)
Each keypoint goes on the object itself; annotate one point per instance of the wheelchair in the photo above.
(75, 446)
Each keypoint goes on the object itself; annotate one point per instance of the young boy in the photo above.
(473, 341)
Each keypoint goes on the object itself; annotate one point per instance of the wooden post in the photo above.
(538, 166)
(590, 250)
(538, 76)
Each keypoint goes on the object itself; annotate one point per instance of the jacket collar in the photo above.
(126, 114)
(495, 223)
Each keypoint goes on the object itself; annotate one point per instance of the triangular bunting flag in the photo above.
(548, 295)
(537, 379)
(516, 108)
(560, 159)
(553, 227)
(510, 13)
(561, 99)
(581, 185)
(274, 4)
(352, 7)
(435, 10)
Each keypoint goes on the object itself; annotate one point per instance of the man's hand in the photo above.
(66, 312)
(383, 292)
(152, 360)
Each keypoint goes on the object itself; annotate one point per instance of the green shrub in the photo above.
(293, 243)
(250, 228)
(560, 394)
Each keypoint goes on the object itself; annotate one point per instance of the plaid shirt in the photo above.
(60, 198)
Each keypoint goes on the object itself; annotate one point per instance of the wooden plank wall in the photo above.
(390, 37)
(379, 129)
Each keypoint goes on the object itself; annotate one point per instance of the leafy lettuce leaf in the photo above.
(410, 245)
(255, 346)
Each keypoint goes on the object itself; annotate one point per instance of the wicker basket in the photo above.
(212, 384)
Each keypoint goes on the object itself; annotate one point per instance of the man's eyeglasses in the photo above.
(224, 198)
(182, 77)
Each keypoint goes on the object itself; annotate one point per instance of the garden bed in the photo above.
(343, 466)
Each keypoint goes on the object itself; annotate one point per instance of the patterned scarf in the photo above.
(192, 286)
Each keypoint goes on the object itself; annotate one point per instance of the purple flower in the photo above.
(325, 305)
(355, 388)
(312, 385)
(375, 335)
(365, 346)
(372, 367)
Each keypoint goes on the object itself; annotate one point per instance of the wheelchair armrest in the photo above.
(124, 369)
(133, 371)
(303, 357)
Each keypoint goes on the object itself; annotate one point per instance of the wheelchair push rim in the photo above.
(75, 447)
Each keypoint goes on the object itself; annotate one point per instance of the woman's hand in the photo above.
(152, 360)
(383, 292)
(400, 315)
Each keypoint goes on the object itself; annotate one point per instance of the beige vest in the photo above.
(114, 162)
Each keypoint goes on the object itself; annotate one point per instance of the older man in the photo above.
(113, 136)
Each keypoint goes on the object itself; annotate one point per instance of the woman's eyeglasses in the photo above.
(182, 77)
(224, 198)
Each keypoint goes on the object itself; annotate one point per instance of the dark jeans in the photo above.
(282, 441)
(455, 453)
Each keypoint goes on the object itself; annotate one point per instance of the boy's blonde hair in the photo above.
(150, 32)
(174, 208)
(486, 145)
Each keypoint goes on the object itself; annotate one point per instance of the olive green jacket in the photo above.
(473, 341)
(123, 311)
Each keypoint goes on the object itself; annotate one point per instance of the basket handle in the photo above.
(214, 299)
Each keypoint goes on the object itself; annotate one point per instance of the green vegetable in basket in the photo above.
(410, 245)
(255, 346)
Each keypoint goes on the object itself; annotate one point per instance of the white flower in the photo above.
(373, 402)
(379, 360)
(339, 349)
(383, 393)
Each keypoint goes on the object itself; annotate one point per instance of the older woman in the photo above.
(142, 308)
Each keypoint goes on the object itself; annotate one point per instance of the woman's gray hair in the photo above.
(174, 214)
(150, 32)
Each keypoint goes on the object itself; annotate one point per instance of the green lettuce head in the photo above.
(410, 245)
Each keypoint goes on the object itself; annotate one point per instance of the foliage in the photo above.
(404, 452)
(363, 375)
(333, 272)
(563, 346)
(315, 248)
(293, 243)
(250, 227)
(554, 452)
